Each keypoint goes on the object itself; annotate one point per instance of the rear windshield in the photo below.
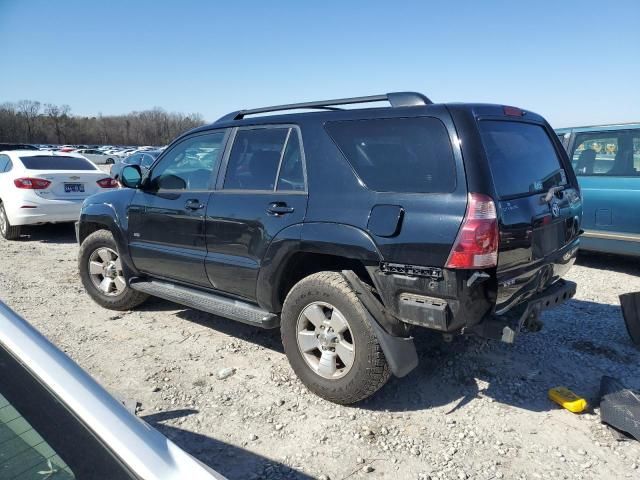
(56, 162)
(522, 158)
(411, 155)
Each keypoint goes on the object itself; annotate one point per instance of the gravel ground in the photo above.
(472, 409)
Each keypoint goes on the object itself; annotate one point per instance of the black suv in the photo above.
(347, 228)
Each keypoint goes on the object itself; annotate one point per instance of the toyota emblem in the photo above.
(555, 210)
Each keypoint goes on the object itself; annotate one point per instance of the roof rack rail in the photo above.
(396, 99)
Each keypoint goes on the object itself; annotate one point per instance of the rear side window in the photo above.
(522, 157)
(610, 153)
(56, 162)
(254, 159)
(404, 155)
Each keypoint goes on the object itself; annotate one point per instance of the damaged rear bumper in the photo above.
(506, 327)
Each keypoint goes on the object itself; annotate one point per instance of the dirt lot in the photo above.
(471, 409)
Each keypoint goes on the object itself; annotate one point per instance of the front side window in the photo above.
(407, 155)
(615, 153)
(190, 164)
(254, 159)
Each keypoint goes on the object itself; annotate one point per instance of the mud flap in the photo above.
(630, 303)
(619, 407)
(400, 351)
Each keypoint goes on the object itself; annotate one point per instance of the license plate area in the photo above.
(74, 188)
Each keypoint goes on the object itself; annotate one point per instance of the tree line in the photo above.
(29, 121)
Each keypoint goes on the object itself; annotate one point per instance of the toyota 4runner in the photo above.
(346, 229)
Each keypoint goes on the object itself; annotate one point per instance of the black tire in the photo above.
(369, 371)
(8, 231)
(127, 298)
(110, 161)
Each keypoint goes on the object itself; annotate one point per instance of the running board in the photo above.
(208, 302)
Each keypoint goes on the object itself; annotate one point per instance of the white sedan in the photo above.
(97, 156)
(39, 187)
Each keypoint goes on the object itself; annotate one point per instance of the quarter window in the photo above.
(254, 159)
(412, 155)
(614, 153)
(191, 164)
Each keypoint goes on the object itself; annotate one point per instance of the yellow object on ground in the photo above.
(567, 399)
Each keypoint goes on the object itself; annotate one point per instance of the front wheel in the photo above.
(102, 275)
(329, 341)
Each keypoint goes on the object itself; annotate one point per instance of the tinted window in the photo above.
(615, 153)
(190, 164)
(254, 159)
(56, 162)
(291, 176)
(522, 157)
(4, 162)
(40, 438)
(398, 154)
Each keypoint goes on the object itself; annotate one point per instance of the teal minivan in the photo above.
(606, 159)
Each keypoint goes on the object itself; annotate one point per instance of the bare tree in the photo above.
(59, 116)
(30, 110)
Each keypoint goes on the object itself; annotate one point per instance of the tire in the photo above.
(328, 293)
(115, 294)
(8, 231)
(109, 161)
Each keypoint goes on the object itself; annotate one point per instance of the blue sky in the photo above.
(575, 62)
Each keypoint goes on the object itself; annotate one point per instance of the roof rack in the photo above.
(396, 99)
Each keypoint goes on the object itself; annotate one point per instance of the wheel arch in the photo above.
(304, 249)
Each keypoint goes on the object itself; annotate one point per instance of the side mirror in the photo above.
(131, 176)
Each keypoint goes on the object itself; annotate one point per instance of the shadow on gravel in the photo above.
(231, 461)
(59, 233)
(603, 261)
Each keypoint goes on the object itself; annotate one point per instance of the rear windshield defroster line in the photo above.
(56, 162)
(522, 158)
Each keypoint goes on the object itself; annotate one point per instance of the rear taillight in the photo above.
(107, 183)
(31, 183)
(477, 242)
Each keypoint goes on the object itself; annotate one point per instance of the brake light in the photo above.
(476, 245)
(107, 183)
(31, 183)
(513, 111)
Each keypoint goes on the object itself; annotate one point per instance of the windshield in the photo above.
(522, 157)
(56, 162)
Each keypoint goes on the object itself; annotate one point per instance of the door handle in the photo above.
(279, 208)
(194, 204)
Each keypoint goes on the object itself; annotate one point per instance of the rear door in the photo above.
(538, 203)
(607, 164)
(166, 217)
(262, 192)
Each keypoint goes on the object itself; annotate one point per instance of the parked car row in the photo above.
(99, 154)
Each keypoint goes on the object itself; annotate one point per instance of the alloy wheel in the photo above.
(325, 340)
(105, 270)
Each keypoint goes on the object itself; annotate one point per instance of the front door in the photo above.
(263, 192)
(607, 164)
(166, 217)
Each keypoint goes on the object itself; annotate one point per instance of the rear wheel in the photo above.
(329, 342)
(110, 161)
(102, 274)
(8, 231)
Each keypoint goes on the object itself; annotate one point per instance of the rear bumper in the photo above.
(506, 327)
(48, 211)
